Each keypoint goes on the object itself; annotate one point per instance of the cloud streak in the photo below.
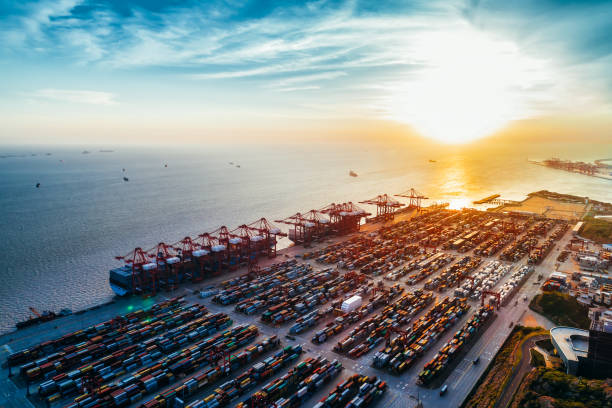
(330, 50)
(74, 96)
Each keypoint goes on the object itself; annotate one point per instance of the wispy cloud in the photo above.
(74, 96)
(326, 47)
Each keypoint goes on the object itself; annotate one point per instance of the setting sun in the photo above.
(469, 86)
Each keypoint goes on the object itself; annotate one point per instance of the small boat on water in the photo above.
(37, 185)
(85, 152)
(432, 161)
(126, 179)
(352, 173)
(45, 316)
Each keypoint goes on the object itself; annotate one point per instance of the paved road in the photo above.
(519, 372)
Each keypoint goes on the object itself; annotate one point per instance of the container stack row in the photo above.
(358, 391)
(102, 332)
(108, 351)
(283, 282)
(400, 353)
(367, 335)
(514, 284)
(485, 279)
(180, 394)
(310, 385)
(222, 396)
(345, 319)
(455, 346)
(150, 378)
(131, 357)
(453, 274)
(288, 383)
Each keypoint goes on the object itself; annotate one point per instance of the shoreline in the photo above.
(600, 176)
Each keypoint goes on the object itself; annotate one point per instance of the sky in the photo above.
(150, 72)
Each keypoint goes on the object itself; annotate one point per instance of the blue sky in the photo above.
(94, 71)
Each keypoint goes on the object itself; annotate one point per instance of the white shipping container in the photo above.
(351, 304)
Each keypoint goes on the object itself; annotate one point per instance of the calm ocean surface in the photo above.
(59, 240)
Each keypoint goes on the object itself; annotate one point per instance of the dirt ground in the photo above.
(550, 208)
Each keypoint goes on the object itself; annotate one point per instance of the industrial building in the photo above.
(599, 359)
(571, 345)
(586, 353)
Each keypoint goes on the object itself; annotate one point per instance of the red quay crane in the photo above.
(321, 223)
(415, 198)
(241, 247)
(168, 265)
(204, 256)
(302, 228)
(344, 217)
(185, 249)
(385, 205)
(220, 252)
(269, 232)
(143, 271)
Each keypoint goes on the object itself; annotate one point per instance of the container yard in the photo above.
(435, 370)
(353, 315)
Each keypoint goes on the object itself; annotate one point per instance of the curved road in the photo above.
(519, 372)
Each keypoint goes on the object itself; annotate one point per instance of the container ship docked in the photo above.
(165, 266)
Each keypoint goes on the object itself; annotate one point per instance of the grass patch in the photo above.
(537, 359)
(561, 309)
(556, 389)
(597, 230)
(491, 384)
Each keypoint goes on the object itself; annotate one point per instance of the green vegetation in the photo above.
(537, 359)
(493, 381)
(544, 387)
(597, 230)
(561, 309)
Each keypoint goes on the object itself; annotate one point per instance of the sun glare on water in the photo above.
(469, 86)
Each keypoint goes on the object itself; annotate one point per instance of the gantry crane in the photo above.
(143, 271)
(415, 198)
(344, 217)
(269, 232)
(185, 249)
(491, 293)
(385, 206)
(167, 265)
(302, 229)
